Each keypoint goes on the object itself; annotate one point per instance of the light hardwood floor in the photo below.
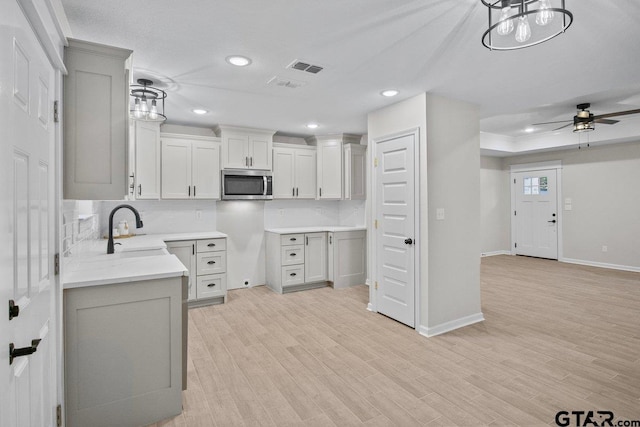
(556, 337)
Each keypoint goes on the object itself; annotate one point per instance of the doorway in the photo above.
(395, 213)
(536, 219)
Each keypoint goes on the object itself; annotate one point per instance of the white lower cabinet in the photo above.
(296, 261)
(347, 258)
(206, 260)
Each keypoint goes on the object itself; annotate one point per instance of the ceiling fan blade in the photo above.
(619, 113)
(607, 121)
(562, 127)
(550, 123)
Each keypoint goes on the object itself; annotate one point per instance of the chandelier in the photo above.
(145, 102)
(509, 27)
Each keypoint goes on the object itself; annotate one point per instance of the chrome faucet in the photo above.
(138, 224)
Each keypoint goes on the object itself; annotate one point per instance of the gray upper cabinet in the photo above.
(96, 121)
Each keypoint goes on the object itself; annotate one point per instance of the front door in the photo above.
(27, 82)
(536, 213)
(395, 202)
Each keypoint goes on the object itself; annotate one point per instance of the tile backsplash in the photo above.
(80, 224)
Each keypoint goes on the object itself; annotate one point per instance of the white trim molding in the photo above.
(540, 166)
(601, 264)
(451, 325)
(494, 253)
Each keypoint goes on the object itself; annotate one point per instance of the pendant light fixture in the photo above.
(145, 103)
(551, 18)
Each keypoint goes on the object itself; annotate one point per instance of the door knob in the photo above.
(25, 351)
(552, 221)
(408, 241)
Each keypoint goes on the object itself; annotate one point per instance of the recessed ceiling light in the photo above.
(199, 111)
(389, 93)
(312, 125)
(238, 61)
(529, 130)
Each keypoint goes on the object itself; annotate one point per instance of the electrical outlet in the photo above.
(198, 214)
(440, 214)
(604, 248)
(281, 212)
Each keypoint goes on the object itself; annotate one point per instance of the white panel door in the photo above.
(315, 257)
(176, 169)
(27, 132)
(330, 170)
(305, 174)
(206, 170)
(283, 173)
(147, 172)
(260, 152)
(536, 213)
(395, 201)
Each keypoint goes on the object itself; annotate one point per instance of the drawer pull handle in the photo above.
(211, 285)
(211, 262)
(292, 254)
(293, 239)
(211, 245)
(293, 274)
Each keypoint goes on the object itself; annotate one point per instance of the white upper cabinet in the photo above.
(355, 172)
(190, 167)
(146, 174)
(330, 170)
(294, 172)
(96, 121)
(244, 148)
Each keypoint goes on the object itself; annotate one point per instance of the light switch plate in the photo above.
(440, 214)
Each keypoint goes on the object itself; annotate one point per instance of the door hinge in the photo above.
(56, 116)
(375, 162)
(376, 285)
(56, 264)
(375, 223)
(59, 415)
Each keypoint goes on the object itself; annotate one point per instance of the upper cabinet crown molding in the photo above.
(239, 129)
(96, 121)
(344, 138)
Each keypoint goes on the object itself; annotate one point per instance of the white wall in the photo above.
(453, 168)
(494, 206)
(602, 182)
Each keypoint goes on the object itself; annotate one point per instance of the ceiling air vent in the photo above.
(305, 66)
(285, 82)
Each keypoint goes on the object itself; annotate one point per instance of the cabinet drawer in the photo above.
(292, 255)
(211, 263)
(211, 245)
(292, 239)
(292, 275)
(212, 285)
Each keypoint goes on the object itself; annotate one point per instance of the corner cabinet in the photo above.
(355, 172)
(294, 172)
(96, 121)
(245, 148)
(190, 167)
(331, 164)
(296, 262)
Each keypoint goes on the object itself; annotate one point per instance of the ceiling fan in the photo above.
(584, 120)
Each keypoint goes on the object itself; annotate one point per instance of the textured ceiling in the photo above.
(365, 46)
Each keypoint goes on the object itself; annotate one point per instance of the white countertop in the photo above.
(328, 228)
(136, 258)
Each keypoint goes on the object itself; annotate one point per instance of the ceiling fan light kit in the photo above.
(551, 18)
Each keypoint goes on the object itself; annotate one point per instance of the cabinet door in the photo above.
(349, 262)
(260, 151)
(176, 169)
(206, 170)
(330, 170)
(283, 173)
(185, 251)
(147, 170)
(305, 173)
(235, 151)
(315, 257)
(358, 173)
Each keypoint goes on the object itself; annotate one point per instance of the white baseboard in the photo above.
(367, 282)
(451, 325)
(370, 307)
(601, 264)
(494, 253)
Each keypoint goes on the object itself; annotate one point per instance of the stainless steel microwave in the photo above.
(247, 184)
